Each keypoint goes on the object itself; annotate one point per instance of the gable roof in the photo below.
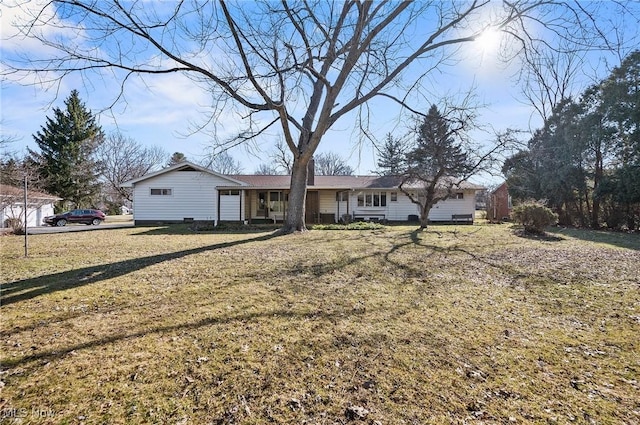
(283, 182)
(12, 191)
(182, 166)
(333, 182)
(503, 186)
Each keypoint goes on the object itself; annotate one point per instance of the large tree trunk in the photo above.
(424, 219)
(425, 209)
(297, 198)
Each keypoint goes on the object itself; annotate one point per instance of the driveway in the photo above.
(42, 230)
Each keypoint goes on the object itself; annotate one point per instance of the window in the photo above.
(394, 196)
(165, 192)
(372, 199)
(230, 192)
(277, 201)
(458, 195)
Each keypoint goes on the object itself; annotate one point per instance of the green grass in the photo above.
(460, 324)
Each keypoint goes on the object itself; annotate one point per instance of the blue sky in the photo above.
(161, 109)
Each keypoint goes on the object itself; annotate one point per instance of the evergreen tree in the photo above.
(11, 172)
(67, 144)
(437, 153)
(391, 157)
(437, 163)
(620, 96)
(176, 158)
(585, 161)
(559, 150)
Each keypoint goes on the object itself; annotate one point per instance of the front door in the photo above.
(312, 208)
(262, 209)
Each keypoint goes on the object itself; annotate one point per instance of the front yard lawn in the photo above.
(460, 324)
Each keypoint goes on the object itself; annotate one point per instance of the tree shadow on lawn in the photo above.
(626, 240)
(544, 236)
(208, 321)
(514, 272)
(199, 229)
(26, 289)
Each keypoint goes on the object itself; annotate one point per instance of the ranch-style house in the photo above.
(187, 192)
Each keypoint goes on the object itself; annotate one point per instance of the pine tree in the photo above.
(176, 158)
(391, 157)
(67, 144)
(436, 153)
(436, 164)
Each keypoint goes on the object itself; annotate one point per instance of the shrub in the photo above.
(534, 216)
(358, 225)
(15, 224)
(112, 208)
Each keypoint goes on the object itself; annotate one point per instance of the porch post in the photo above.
(250, 204)
(217, 218)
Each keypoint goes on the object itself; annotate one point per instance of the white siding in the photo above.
(341, 209)
(376, 212)
(230, 208)
(401, 209)
(327, 199)
(35, 215)
(443, 210)
(193, 195)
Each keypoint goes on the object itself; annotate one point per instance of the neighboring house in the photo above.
(39, 205)
(499, 207)
(187, 192)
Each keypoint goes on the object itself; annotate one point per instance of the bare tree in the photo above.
(267, 170)
(331, 164)
(295, 66)
(5, 141)
(282, 158)
(121, 159)
(12, 170)
(548, 78)
(12, 204)
(222, 162)
(550, 73)
(325, 164)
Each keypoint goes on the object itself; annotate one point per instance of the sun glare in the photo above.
(489, 40)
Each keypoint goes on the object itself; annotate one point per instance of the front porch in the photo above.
(270, 206)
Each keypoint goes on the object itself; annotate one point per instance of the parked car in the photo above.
(94, 217)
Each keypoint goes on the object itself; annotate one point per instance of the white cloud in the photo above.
(16, 17)
(22, 23)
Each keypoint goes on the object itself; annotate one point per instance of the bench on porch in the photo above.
(369, 217)
(462, 218)
(276, 216)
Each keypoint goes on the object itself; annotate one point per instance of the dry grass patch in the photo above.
(458, 324)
